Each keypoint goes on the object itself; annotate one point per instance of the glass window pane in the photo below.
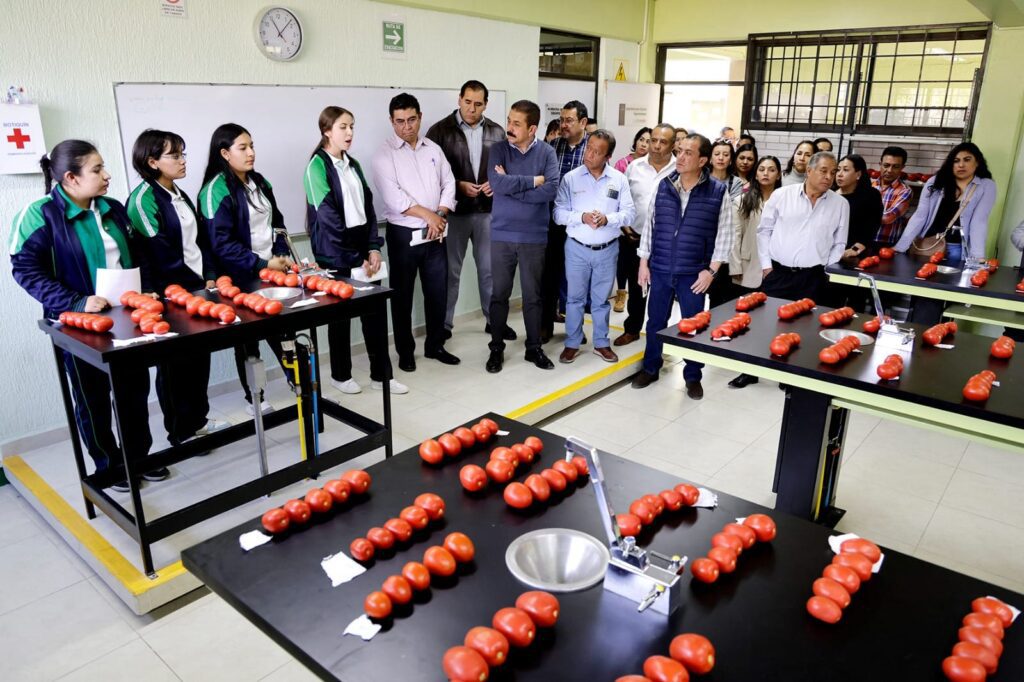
(725, 63)
(910, 48)
(965, 66)
(907, 69)
(879, 94)
(936, 66)
(884, 68)
(567, 54)
(704, 108)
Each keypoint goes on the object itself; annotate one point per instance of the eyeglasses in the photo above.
(568, 121)
(175, 157)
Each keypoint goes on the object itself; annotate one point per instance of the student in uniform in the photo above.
(242, 219)
(342, 228)
(177, 249)
(57, 244)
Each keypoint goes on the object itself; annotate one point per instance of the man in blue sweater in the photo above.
(523, 175)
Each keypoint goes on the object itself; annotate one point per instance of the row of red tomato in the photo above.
(537, 487)
(317, 500)
(646, 508)
(840, 350)
(452, 444)
(976, 654)
(197, 305)
(692, 325)
(750, 301)
(842, 578)
(425, 508)
(837, 316)
(787, 311)
(731, 327)
(688, 653)
(90, 322)
(502, 465)
(783, 344)
(730, 543)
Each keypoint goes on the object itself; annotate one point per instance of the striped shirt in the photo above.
(895, 202)
(569, 157)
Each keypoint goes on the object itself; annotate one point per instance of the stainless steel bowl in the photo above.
(557, 559)
(280, 293)
(833, 335)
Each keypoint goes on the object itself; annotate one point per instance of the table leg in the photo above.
(305, 389)
(386, 397)
(69, 413)
(256, 376)
(319, 381)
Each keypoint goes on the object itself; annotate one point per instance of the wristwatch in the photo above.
(441, 213)
(714, 273)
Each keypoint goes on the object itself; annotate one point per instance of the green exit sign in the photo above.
(394, 36)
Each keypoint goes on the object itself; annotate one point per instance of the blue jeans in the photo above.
(588, 272)
(954, 253)
(659, 308)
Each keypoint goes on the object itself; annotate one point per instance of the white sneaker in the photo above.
(396, 387)
(351, 387)
(212, 426)
(264, 408)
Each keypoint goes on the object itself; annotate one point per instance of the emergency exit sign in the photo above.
(394, 36)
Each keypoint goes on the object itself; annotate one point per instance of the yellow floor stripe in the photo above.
(134, 580)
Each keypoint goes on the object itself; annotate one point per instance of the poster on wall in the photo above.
(21, 139)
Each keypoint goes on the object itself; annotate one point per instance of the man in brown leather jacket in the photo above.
(466, 136)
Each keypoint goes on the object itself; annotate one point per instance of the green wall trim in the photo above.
(940, 294)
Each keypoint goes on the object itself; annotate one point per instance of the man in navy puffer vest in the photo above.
(687, 237)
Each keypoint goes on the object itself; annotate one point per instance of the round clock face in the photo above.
(278, 33)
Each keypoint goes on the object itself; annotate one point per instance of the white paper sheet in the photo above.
(340, 568)
(110, 284)
(304, 302)
(360, 274)
(253, 539)
(706, 499)
(362, 627)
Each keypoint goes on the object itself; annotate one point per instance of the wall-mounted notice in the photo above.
(21, 139)
(173, 8)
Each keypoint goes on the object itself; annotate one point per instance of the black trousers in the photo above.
(181, 387)
(90, 391)
(554, 275)
(530, 258)
(375, 334)
(785, 282)
(253, 348)
(722, 289)
(430, 260)
(636, 304)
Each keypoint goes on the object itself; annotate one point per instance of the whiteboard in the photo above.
(283, 122)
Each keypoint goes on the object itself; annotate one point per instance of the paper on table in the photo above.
(304, 302)
(320, 293)
(360, 274)
(706, 499)
(836, 543)
(945, 346)
(110, 284)
(362, 627)
(363, 288)
(721, 338)
(253, 539)
(340, 568)
(120, 343)
(501, 433)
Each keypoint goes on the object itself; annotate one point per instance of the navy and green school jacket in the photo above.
(224, 205)
(56, 249)
(335, 244)
(155, 220)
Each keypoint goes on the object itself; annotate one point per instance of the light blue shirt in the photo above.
(475, 141)
(580, 192)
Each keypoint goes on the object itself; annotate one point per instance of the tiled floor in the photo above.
(941, 499)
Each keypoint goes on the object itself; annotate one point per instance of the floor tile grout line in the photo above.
(101, 656)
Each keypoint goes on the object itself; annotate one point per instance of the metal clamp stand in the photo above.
(890, 335)
(256, 376)
(637, 574)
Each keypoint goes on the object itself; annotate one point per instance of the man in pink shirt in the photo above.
(418, 189)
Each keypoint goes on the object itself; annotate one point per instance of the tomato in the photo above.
(539, 487)
(481, 432)
(542, 607)
(885, 253)
(844, 575)
(298, 511)
(693, 651)
(463, 664)
(204, 308)
(506, 454)
(270, 307)
(705, 570)
(518, 496)
(860, 564)
(888, 371)
(400, 528)
(465, 437)
(689, 492)
(417, 575)
(632, 678)
(158, 328)
(762, 525)
(473, 478)
(381, 538)
(976, 391)
(724, 557)
(361, 549)
(786, 311)
(642, 511)
(524, 453)
(228, 316)
(276, 521)
(146, 324)
(665, 669)
(629, 524)
(291, 280)
(982, 636)
(460, 546)
(431, 451)
(439, 561)
(872, 326)
(320, 501)
(490, 424)
(516, 625)
(728, 541)
(377, 605)
(779, 347)
(978, 653)
(824, 609)
(489, 643)
(581, 465)
(861, 546)
(687, 325)
(1001, 350)
(995, 607)
(827, 319)
(398, 589)
(656, 504)
(451, 445)
(555, 479)
(338, 490)
(830, 355)
(534, 443)
(984, 620)
(566, 469)
(500, 471)
(826, 587)
(358, 479)
(961, 669)
(415, 517)
(239, 299)
(216, 309)
(673, 500)
(430, 503)
(744, 533)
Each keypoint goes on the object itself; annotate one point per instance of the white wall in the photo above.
(69, 54)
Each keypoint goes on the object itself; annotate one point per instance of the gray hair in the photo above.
(602, 134)
(818, 157)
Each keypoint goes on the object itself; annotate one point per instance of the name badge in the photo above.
(613, 193)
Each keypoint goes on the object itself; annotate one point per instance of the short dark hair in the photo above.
(819, 140)
(894, 151)
(580, 107)
(640, 133)
(748, 136)
(532, 111)
(602, 134)
(667, 126)
(552, 127)
(704, 144)
(682, 130)
(151, 144)
(474, 85)
(403, 101)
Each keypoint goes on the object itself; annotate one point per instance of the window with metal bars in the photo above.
(898, 81)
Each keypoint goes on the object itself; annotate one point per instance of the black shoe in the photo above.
(161, 474)
(644, 379)
(443, 357)
(407, 364)
(495, 361)
(545, 337)
(447, 334)
(121, 487)
(508, 335)
(538, 358)
(694, 390)
(742, 381)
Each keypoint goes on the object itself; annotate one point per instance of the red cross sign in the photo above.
(18, 139)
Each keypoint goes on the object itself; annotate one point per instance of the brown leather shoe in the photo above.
(568, 355)
(694, 390)
(625, 338)
(643, 379)
(606, 354)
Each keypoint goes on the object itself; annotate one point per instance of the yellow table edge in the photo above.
(940, 294)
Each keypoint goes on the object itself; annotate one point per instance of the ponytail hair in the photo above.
(328, 117)
(68, 156)
(223, 137)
